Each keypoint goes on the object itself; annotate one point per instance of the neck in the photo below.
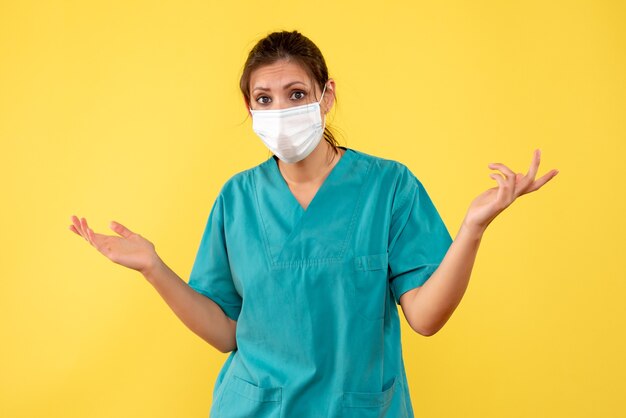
(310, 169)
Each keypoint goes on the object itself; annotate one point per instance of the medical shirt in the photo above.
(315, 291)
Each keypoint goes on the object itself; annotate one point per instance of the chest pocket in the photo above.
(369, 285)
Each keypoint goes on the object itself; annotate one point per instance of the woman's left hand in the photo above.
(489, 204)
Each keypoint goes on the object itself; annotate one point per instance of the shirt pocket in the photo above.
(369, 404)
(242, 399)
(369, 285)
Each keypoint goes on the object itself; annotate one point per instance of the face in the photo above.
(286, 84)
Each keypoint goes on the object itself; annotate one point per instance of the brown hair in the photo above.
(292, 46)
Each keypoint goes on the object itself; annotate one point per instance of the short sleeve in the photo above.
(418, 238)
(210, 274)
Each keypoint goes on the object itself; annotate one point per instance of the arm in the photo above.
(427, 308)
(199, 313)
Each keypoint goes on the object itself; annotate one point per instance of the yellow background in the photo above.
(130, 111)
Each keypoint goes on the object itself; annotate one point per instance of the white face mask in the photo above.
(292, 133)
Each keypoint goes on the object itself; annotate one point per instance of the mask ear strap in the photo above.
(323, 91)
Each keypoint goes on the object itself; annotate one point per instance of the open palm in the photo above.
(129, 249)
(490, 203)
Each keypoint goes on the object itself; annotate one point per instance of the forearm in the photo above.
(199, 313)
(439, 296)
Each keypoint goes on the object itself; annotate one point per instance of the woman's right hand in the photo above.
(129, 249)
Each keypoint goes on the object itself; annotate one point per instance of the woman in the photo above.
(306, 256)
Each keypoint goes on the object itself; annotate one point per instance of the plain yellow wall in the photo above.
(130, 111)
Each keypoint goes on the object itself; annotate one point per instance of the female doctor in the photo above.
(305, 257)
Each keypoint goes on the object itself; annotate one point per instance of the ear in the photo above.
(329, 96)
(247, 104)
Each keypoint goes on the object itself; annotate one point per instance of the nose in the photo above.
(281, 103)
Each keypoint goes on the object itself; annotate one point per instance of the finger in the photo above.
(509, 186)
(86, 230)
(497, 177)
(542, 180)
(93, 238)
(121, 229)
(520, 180)
(521, 184)
(77, 225)
(534, 165)
(506, 170)
(524, 184)
(73, 228)
(74, 224)
(501, 185)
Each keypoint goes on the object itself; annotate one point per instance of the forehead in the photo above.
(274, 76)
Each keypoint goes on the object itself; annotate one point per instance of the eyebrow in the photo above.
(286, 86)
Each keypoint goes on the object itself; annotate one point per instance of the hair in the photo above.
(290, 46)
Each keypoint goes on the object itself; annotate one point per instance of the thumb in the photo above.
(120, 229)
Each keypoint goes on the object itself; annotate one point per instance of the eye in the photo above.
(261, 100)
(298, 94)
